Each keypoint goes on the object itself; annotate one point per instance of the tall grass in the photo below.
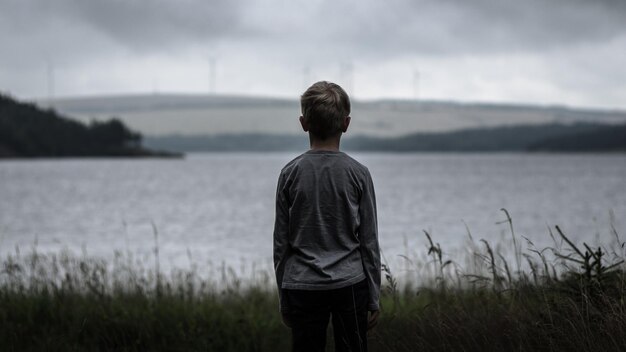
(66, 302)
(567, 297)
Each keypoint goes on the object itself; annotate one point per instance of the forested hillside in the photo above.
(556, 137)
(579, 137)
(601, 139)
(29, 131)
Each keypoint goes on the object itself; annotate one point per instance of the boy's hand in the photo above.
(286, 320)
(372, 321)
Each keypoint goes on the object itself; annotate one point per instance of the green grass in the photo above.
(65, 302)
(564, 298)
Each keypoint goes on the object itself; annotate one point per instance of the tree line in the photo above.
(29, 131)
(551, 137)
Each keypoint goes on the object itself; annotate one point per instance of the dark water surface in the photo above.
(218, 207)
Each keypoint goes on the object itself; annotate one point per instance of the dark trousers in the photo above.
(309, 312)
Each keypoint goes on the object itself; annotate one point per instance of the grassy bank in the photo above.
(563, 298)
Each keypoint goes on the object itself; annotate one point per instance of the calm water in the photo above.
(218, 208)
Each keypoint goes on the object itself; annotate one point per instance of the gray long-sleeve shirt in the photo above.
(325, 234)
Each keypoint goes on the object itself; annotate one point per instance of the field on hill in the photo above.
(162, 114)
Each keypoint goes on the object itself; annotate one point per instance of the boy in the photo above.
(326, 253)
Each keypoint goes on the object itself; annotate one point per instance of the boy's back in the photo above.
(326, 254)
(329, 223)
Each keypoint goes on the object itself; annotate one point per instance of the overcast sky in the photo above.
(569, 52)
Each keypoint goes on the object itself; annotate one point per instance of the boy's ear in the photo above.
(346, 123)
(304, 124)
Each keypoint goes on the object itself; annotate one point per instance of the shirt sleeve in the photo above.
(281, 240)
(368, 237)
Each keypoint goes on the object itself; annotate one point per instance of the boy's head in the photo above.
(325, 110)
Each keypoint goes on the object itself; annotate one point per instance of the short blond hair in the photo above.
(325, 105)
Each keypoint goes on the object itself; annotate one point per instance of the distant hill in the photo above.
(600, 139)
(28, 131)
(519, 138)
(548, 137)
(189, 114)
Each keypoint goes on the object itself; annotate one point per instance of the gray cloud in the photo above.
(365, 27)
(83, 34)
(75, 29)
(152, 24)
(395, 27)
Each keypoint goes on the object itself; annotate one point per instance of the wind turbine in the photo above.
(416, 81)
(50, 82)
(306, 77)
(347, 75)
(212, 74)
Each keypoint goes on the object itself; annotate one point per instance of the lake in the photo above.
(217, 209)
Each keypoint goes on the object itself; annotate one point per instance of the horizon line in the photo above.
(553, 105)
